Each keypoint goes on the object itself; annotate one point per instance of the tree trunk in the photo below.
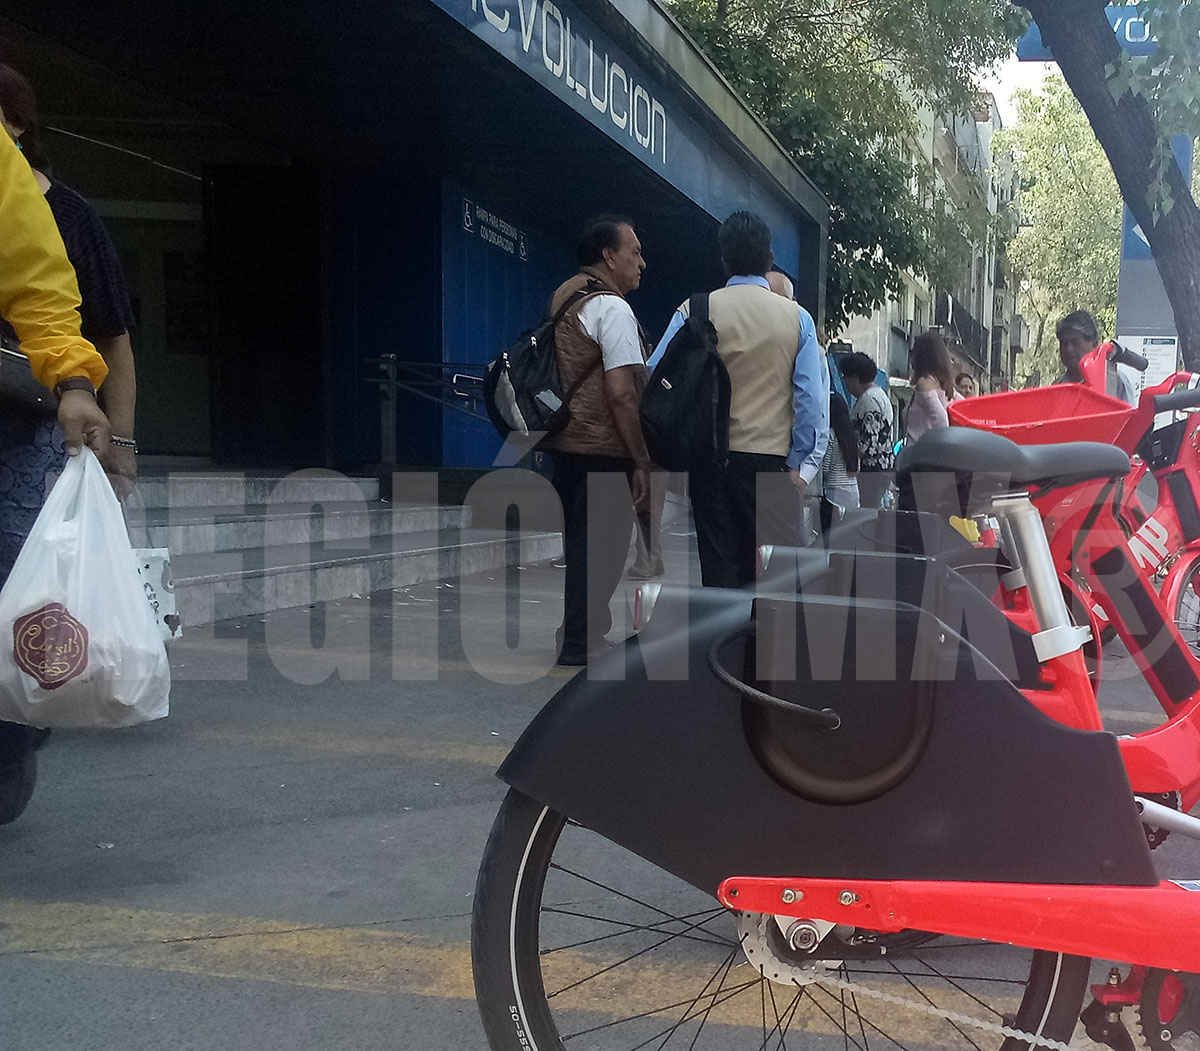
(1082, 41)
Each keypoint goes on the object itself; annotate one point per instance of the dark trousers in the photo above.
(16, 739)
(748, 502)
(595, 542)
(871, 487)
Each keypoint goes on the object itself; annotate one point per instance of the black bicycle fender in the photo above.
(665, 767)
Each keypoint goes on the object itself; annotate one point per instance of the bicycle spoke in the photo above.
(730, 993)
(958, 1028)
(780, 1026)
(861, 1025)
(953, 981)
(847, 1039)
(933, 972)
(554, 866)
(622, 962)
(707, 1010)
(863, 1021)
(627, 928)
(666, 1034)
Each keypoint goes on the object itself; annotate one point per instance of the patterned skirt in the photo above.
(32, 454)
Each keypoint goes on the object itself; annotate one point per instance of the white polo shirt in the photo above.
(609, 320)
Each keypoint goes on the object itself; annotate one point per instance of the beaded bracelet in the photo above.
(124, 443)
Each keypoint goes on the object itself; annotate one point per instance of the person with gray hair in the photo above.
(601, 354)
(1078, 336)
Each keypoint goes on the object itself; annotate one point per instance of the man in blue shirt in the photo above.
(778, 428)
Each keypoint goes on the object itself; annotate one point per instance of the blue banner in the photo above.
(565, 52)
(1132, 32)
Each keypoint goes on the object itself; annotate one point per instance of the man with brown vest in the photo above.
(778, 423)
(600, 346)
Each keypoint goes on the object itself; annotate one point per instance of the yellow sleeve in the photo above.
(39, 295)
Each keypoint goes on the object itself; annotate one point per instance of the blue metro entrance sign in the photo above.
(1131, 30)
(1143, 310)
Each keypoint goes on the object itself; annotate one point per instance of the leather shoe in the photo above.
(575, 659)
(638, 573)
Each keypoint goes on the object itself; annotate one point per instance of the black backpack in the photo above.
(523, 389)
(685, 408)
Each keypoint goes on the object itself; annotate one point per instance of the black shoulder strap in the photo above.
(591, 288)
(698, 306)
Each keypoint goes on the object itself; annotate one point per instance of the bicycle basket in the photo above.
(1066, 412)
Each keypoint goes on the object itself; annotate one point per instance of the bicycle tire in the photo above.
(677, 978)
(1080, 606)
(1182, 594)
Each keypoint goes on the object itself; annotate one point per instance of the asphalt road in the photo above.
(282, 865)
(275, 865)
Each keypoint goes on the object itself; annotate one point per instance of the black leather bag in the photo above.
(19, 391)
(522, 389)
(685, 408)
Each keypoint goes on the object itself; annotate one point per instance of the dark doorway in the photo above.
(268, 359)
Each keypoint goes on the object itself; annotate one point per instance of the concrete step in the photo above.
(257, 580)
(238, 489)
(192, 531)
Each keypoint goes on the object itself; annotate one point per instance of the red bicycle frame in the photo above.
(1153, 926)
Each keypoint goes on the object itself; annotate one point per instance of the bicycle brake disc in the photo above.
(768, 953)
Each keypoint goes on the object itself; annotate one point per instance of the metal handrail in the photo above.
(425, 379)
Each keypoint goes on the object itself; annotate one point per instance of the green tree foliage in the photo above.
(1069, 243)
(834, 81)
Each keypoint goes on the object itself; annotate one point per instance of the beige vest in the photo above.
(758, 334)
(590, 428)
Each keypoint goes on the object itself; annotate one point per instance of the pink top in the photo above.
(927, 412)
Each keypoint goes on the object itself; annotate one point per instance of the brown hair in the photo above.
(929, 357)
(20, 109)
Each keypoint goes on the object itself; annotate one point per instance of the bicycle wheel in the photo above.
(578, 944)
(1182, 593)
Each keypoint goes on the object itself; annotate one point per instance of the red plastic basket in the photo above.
(1066, 412)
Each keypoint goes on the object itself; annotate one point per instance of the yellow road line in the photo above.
(401, 962)
(357, 958)
(487, 755)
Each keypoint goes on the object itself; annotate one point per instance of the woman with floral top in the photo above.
(872, 417)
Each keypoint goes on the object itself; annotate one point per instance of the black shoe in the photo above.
(17, 781)
(575, 659)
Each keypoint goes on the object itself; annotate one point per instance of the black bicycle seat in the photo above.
(965, 450)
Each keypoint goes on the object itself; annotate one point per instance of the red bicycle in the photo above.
(732, 832)
(1157, 506)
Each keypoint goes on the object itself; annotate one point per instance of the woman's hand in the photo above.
(83, 422)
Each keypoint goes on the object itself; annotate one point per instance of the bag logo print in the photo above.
(50, 645)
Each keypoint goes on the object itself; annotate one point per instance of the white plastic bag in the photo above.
(154, 566)
(154, 577)
(79, 645)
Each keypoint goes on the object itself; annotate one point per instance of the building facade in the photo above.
(305, 197)
(976, 311)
